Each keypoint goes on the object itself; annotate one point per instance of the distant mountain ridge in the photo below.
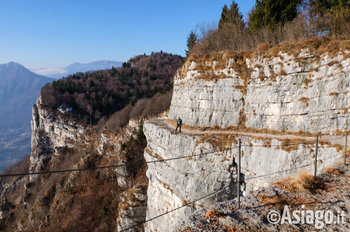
(19, 89)
(17, 81)
(78, 67)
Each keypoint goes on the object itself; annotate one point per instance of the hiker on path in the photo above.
(179, 124)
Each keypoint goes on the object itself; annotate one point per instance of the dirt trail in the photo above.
(170, 125)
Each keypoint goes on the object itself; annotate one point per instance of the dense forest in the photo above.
(101, 93)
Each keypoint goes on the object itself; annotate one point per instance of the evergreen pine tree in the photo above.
(191, 41)
(223, 18)
(231, 15)
(268, 13)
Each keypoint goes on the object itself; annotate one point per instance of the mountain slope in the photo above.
(106, 199)
(19, 89)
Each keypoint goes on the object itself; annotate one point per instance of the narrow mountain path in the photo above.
(171, 125)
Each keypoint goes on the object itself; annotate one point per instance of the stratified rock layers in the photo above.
(283, 94)
(280, 93)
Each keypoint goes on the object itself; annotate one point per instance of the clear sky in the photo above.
(56, 33)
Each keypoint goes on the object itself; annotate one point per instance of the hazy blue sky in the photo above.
(55, 33)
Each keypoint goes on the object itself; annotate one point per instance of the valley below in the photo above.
(14, 144)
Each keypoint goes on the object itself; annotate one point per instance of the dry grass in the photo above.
(21, 166)
(334, 62)
(306, 82)
(292, 144)
(339, 132)
(220, 142)
(347, 153)
(305, 101)
(316, 45)
(242, 118)
(212, 214)
(273, 201)
(303, 182)
(267, 143)
(338, 147)
(334, 171)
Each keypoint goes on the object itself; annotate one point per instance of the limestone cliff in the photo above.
(306, 91)
(274, 103)
(50, 134)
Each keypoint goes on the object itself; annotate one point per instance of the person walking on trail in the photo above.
(179, 124)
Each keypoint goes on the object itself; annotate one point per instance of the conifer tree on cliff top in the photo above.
(231, 16)
(322, 6)
(268, 13)
(191, 41)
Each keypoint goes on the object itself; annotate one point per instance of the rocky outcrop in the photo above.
(50, 134)
(301, 92)
(132, 209)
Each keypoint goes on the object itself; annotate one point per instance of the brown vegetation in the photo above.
(212, 214)
(21, 166)
(75, 201)
(304, 182)
(333, 94)
(334, 171)
(306, 82)
(305, 101)
(220, 142)
(308, 23)
(143, 108)
(267, 143)
(101, 93)
(273, 201)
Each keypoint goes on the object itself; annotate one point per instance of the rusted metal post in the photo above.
(315, 173)
(346, 146)
(239, 174)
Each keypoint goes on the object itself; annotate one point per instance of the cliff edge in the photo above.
(276, 103)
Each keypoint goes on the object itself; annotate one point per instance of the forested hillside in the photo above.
(99, 94)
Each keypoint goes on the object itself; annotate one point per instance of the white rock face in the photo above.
(50, 133)
(283, 93)
(132, 209)
(177, 182)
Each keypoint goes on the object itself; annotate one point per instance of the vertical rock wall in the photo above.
(50, 133)
(213, 167)
(279, 93)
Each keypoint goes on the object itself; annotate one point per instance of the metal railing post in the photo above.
(346, 146)
(315, 169)
(239, 174)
